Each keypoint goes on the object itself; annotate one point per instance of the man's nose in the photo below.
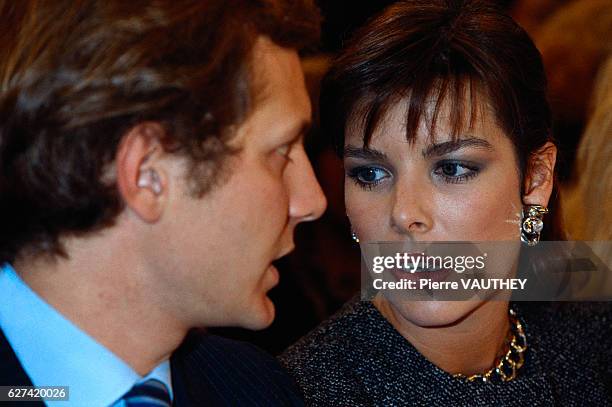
(306, 201)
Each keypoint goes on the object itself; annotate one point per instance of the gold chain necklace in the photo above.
(506, 366)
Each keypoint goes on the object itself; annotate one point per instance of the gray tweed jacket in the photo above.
(357, 358)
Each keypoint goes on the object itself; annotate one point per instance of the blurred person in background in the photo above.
(531, 14)
(587, 204)
(574, 41)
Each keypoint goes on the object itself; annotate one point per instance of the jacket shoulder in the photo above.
(229, 372)
(328, 363)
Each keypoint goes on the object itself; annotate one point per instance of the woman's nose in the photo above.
(411, 211)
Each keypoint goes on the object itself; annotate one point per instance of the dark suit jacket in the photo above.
(207, 370)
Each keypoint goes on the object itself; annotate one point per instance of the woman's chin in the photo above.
(431, 314)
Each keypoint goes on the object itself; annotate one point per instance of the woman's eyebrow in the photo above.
(364, 153)
(454, 145)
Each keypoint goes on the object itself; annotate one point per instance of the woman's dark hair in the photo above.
(420, 50)
(75, 75)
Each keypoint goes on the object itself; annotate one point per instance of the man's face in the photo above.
(214, 264)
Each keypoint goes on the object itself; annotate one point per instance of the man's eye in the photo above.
(284, 150)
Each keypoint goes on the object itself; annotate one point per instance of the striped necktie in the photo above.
(151, 393)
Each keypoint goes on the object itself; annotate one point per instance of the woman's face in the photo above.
(433, 189)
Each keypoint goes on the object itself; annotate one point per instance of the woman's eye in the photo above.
(455, 172)
(367, 176)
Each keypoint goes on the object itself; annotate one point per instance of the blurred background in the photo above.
(575, 39)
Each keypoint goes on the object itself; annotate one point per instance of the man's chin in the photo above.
(259, 316)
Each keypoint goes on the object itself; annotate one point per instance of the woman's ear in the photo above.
(539, 175)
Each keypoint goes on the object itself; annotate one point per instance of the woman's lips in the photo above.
(405, 269)
(419, 274)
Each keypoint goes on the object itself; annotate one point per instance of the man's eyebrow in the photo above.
(364, 153)
(454, 145)
(300, 130)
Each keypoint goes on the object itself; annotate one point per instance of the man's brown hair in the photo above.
(75, 75)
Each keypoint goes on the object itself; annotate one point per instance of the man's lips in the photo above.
(275, 274)
(285, 252)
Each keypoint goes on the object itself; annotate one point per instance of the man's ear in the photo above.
(141, 179)
(539, 175)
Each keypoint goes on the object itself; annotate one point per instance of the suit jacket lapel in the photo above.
(11, 371)
(186, 389)
(179, 390)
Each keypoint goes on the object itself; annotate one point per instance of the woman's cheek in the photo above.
(364, 212)
(476, 214)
